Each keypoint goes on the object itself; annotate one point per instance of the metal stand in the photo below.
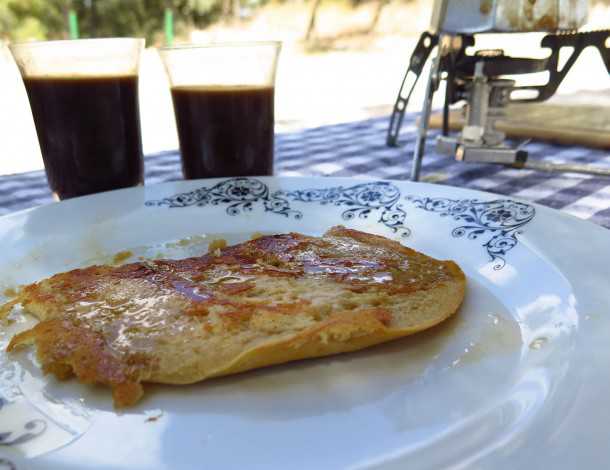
(422, 130)
(477, 79)
(427, 42)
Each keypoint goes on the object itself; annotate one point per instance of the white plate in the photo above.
(519, 379)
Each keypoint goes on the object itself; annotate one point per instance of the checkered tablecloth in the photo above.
(358, 149)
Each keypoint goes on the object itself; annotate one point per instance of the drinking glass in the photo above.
(223, 97)
(84, 100)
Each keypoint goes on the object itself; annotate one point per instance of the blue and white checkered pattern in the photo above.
(358, 149)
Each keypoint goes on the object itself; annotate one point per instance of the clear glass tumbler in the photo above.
(84, 100)
(223, 97)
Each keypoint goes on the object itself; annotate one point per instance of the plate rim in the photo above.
(93, 197)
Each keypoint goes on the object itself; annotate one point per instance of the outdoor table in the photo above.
(357, 149)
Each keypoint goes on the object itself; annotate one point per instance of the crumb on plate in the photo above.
(10, 292)
(121, 256)
(216, 245)
(152, 419)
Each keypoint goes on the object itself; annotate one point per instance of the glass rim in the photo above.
(210, 45)
(74, 41)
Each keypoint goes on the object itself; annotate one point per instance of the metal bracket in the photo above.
(477, 79)
(556, 42)
(427, 42)
(464, 152)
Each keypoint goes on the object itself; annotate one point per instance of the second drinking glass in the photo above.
(223, 97)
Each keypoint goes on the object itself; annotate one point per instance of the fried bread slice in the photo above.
(266, 301)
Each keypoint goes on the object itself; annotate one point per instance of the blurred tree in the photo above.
(197, 13)
(104, 18)
(311, 24)
(7, 20)
(315, 7)
(376, 15)
(47, 19)
(22, 20)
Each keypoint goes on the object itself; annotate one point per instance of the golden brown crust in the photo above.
(266, 301)
(65, 350)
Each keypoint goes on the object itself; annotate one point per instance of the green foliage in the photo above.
(111, 18)
(22, 20)
(47, 19)
(196, 13)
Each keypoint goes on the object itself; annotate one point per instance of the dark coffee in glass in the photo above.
(89, 132)
(225, 131)
(84, 100)
(223, 96)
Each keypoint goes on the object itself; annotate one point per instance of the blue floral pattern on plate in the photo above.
(361, 200)
(240, 195)
(503, 219)
(31, 429)
(6, 464)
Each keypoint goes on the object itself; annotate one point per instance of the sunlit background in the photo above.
(342, 60)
